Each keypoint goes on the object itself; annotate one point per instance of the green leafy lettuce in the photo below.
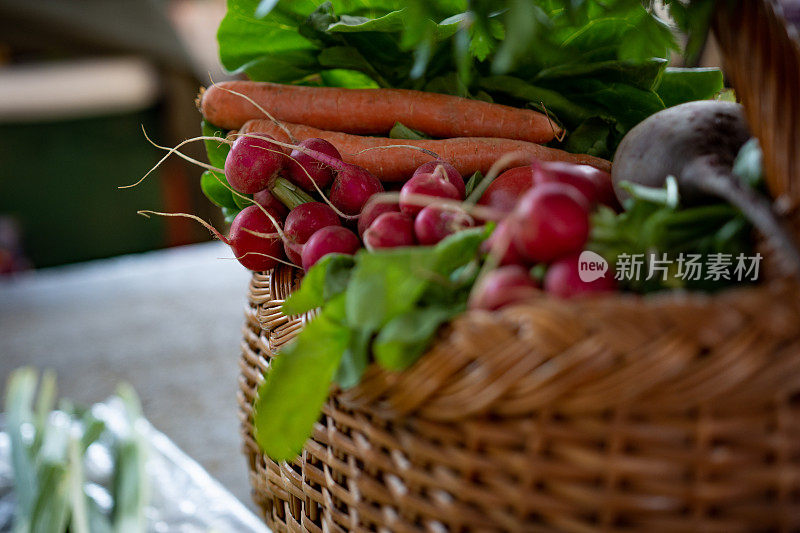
(385, 305)
(596, 66)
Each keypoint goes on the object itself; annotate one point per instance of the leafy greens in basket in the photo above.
(597, 67)
(386, 304)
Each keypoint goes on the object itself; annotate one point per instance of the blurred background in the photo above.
(78, 82)
(79, 79)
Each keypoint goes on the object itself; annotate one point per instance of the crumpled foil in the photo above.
(184, 498)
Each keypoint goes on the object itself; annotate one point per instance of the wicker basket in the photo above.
(762, 60)
(674, 413)
(668, 413)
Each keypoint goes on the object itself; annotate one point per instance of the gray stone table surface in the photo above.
(168, 322)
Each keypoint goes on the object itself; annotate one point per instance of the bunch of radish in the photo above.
(271, 232)
(419, 217)
(546, 210)
(541, 210)
(263, 235)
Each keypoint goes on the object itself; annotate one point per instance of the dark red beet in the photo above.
(352, 188)
(329, 240)
(503, 193)
(451, 174)
(434, 223)
(563, 279)
(371, 211)
(550, 221)
(503, 286)
(253, 163)
(504, 232)
(241, 242)
(390, 230)
(302, 222)
(301, 165)
(432, 185)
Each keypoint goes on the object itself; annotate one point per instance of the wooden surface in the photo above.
(169, 322)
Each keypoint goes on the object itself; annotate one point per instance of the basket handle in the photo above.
(761, 55)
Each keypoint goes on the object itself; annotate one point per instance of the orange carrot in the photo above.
(372, 111)
(467, 154)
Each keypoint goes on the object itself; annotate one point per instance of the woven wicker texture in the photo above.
(762, 60)
(671, 413)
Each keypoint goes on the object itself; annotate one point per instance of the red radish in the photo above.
(302, 165)
(563, 279)
(450, 172)
(605, 188)
(303, 221)
(246, 246)
(550, 221)
(568, 175)
(434, 223)
(352, 188)
(433, 184)
(272, 204)
(503, 286)
(503, 193)
(252, 164)
(371, 211)
(329, 240)
(390, 230)
(593, 183)
(504, 233)
(294, 252)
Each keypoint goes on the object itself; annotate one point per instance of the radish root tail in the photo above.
(146, 213)
(249, 200)
(424, 200)
(177, 152)
(262, 235)
(559, 133)
(278, 259)
(417, 148)
(274, 120)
